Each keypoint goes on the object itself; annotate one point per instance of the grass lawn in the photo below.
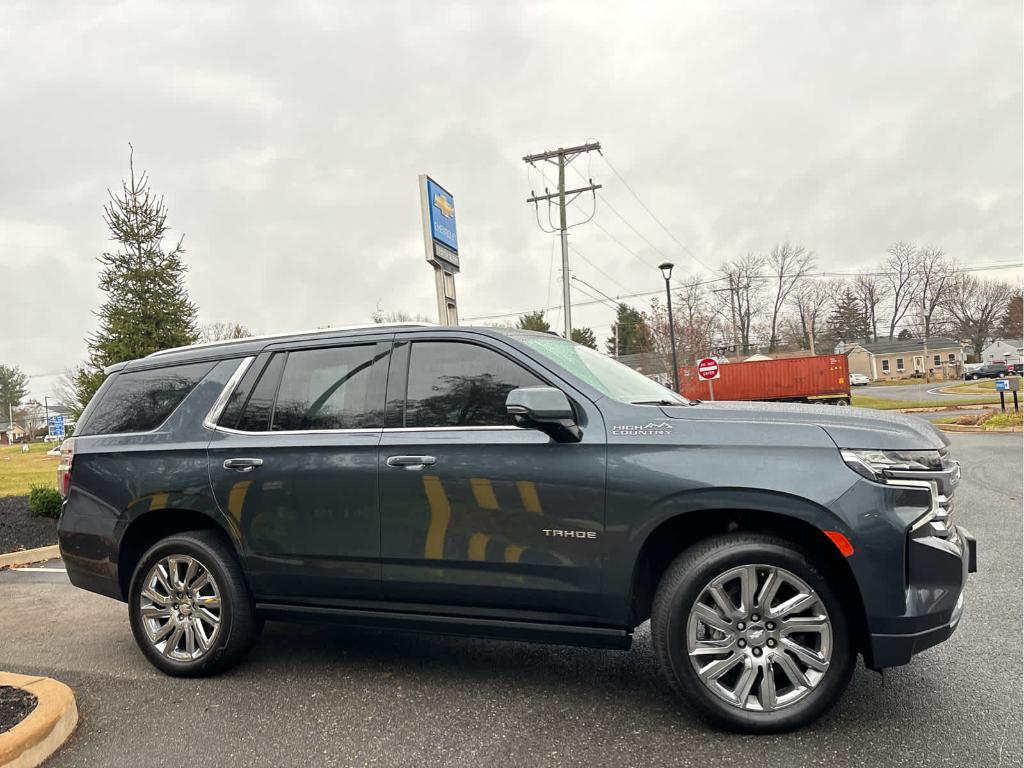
(886, 404)
(974, 387)
(20, 471)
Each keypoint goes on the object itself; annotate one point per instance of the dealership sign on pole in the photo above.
(441, 240)
(55, 426)
(708, 370)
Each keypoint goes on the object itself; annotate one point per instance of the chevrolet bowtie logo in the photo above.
(441, 203)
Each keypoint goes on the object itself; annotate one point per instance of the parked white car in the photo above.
(859, 380)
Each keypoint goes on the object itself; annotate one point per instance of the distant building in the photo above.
(904, 359)
(1001, 350)
(10, 433)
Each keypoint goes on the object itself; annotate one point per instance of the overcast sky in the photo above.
(287, 139)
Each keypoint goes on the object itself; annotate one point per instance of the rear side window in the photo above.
(256, 412)
(330, 389)
(454, 384)
(142, 400)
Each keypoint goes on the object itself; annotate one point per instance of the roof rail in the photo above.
(285, 335)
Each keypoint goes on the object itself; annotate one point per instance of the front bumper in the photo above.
(937, 572)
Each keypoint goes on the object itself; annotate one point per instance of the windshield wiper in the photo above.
(656, 402)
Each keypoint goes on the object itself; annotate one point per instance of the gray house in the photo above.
(1004, 350)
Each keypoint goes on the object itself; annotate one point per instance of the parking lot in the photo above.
(313, 695)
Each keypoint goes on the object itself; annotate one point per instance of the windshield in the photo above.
(609, 376)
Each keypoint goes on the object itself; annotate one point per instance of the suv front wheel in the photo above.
(748, 630)
(189, 606)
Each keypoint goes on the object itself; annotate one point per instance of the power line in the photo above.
(577, 251)
(626, 221)
(644, 205)
(639, 294)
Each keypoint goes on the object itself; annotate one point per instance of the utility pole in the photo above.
(562, 157)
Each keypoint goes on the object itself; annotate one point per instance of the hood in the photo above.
(848, 427)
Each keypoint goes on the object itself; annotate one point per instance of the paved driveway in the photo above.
(327, 696)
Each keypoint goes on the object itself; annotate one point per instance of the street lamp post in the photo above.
(666, 272)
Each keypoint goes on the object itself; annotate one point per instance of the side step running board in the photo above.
(537, 632)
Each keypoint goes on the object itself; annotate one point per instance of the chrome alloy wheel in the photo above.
(759, 638)
(180, 607)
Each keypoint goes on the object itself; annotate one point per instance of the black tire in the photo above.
(239, 625)
(680, 588)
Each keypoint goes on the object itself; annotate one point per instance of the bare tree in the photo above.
(902, 278)
(398, 316)
(871, 290)
(976, 306)
(812, 300)
(222, 331)
(789, 265)
(934, 276)
(745, 297)
(694, 323)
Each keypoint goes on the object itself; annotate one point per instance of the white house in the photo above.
(1000, 350)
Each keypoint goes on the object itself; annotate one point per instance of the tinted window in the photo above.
(330, 389)
(233, 408)
(141, 401)
(460, 385)
(256, 413)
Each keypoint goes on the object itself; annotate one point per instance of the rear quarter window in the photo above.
(139, 401)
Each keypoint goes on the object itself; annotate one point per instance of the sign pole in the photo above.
(711, 390)
(440, 240)
(1002, 399)
(1016, 405)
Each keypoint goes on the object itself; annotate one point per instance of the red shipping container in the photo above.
(816, 378)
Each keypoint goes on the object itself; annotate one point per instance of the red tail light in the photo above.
(67, 455)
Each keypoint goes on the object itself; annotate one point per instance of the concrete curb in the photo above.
(27, 556)
(974, 428)
(940, 408)
(46, 728)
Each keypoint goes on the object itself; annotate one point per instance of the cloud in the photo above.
(287, 138)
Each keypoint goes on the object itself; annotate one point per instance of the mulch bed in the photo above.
(20, 529)
(15, 705)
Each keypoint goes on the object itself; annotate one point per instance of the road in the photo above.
(328, 696)
(914, 392)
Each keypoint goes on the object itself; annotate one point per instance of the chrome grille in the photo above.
(941, 485)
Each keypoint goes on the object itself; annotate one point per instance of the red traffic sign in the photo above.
(708, 369)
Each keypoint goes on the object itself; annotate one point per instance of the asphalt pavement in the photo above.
(910, 391)
(920, 391)
(327, 696)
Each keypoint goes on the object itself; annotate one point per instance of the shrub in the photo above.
(44, 501)
(973, 419)
(1008, 419)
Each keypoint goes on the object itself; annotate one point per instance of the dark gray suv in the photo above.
(510, 484)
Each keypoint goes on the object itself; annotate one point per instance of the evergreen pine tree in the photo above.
(533, 321)
(147, 307)
(584, 336)
(634, 332)
(846, 323)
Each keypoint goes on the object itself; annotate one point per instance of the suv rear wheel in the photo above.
(190, 609)
(751, 632)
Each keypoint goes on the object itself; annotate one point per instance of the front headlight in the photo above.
(872, 464)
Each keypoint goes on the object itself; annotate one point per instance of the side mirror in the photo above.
(546, 409)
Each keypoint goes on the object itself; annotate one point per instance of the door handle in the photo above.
(243, 465)
(411, 462)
